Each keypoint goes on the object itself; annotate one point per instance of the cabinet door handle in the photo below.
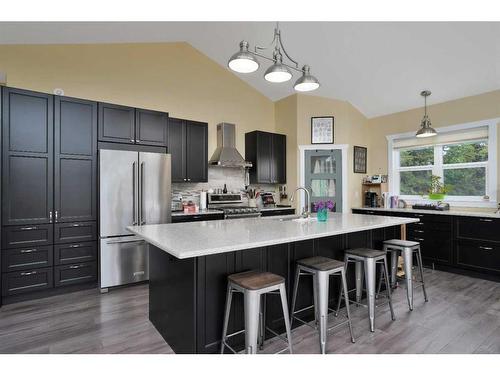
(74, 246)
(486, 220)
(189, 179)
(418, 239)
(28, 228)
(57, 216)
(417, 215)
(419, 231)
(76, 225)
(27, 251)
(485, 248)
(28, 273)
(50, 216)
(419, 223)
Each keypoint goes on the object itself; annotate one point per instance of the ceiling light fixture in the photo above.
(244, 61)
(426, 129)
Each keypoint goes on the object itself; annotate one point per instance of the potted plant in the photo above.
(322, 208)
(437, 190)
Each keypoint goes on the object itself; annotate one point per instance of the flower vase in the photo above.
(322, 214)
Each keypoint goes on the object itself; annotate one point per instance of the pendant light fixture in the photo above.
(245, 61)
(426, 129)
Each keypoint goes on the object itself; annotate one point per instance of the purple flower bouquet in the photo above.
(322, 208)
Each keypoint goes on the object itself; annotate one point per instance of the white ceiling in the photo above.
(378, 67)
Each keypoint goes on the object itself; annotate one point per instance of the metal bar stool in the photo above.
(320, 268)
(369, 258)
(254, 284)
(407, 249)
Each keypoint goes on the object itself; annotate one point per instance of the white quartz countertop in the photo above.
(189, 240)
(433, 212)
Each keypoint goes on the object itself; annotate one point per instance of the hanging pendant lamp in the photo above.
(426, 129)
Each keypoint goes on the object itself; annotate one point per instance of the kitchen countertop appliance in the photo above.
(232, 205)
(135, 189)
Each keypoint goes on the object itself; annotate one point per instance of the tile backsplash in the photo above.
(234, 178)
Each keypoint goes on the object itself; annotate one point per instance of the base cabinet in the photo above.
(187, 296)
(462, 244)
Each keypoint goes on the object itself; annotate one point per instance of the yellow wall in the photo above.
(293, 116)
(468, 109)
(172, 77)
(177, 78)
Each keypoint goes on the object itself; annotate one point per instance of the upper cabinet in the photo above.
(28, 157)
(123, 124)
(75, 160)
(267, 152)
(188, 147)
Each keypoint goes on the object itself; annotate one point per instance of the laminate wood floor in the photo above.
(462, 316)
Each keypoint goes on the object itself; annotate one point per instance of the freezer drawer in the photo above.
(124, 260)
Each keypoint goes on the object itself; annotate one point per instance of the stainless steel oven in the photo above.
(232, 205)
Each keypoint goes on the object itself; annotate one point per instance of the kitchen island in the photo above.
(189, 264)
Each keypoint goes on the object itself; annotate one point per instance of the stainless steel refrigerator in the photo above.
(135, 189)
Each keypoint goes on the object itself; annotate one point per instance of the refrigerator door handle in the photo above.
(141, 204)
(134, 213)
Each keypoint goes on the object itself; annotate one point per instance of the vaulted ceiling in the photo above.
(379, 67)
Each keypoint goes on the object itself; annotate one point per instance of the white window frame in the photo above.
(438, 168)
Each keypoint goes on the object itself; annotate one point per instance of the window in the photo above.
(463, 156)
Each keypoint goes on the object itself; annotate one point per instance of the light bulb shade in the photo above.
(243, 61)
(426, 130)
(307, 82)
(277, 73)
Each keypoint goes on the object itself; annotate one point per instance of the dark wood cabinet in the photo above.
(188, 147)
(123, 124)
(27, 169)
(75, 253)
(267, 152)
(151, 127)
(27, 235)
(75, 274)
(197, 152)
(75, 160)
(75, 232)
(28, 258)
(177, 148)
(14, 283)
(199, 217)
(116, 123)
(462, 244)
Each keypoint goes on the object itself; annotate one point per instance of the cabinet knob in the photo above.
(138, 141)
(189, 179)
(185, 179)
(131, 141)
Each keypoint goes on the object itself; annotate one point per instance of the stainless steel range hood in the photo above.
(226, 154)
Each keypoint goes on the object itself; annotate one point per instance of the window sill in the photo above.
(453, 203)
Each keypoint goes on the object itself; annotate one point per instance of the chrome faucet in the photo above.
(305, 210)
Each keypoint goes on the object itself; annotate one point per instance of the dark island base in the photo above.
(187, 296)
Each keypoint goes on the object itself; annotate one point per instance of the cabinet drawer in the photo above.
(28, 258)
(75, 232)
(75, 253)
(201, 217)
(479, 255)
(478, 228)
(75, 274)
(14, 283)
(27, 235)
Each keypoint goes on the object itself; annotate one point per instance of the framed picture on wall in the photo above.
(322, 130)
(360, 156)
